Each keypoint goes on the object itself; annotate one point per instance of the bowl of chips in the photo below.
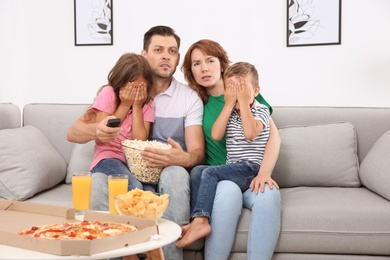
(137, 165)
(142, 204)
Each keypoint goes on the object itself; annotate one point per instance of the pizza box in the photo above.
(17, 215)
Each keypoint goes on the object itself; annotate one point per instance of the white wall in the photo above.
(39, 62)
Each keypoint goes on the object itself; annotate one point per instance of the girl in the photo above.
(126, 96)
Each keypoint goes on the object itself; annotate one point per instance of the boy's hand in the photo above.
(230, 94)
(244, 94)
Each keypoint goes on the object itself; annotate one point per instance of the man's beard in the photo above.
(164, 74)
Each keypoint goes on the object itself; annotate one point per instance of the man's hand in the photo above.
(259, 182)
(165, 157)
(104, 133)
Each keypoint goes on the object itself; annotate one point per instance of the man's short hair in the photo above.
(162, 31)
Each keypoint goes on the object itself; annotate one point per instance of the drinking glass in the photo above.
(81, 191)
(117, 184)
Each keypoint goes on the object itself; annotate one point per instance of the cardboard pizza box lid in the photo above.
(16, 215)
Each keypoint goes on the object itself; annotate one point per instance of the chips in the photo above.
(142, 204)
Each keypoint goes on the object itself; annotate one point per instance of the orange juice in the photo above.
(117, 184)
(81, 190)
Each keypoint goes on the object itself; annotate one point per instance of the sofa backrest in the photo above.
(9, 116)
(54, 121)
(370, 123)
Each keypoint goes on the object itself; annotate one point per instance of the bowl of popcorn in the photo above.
(137, 165)
(142, 204)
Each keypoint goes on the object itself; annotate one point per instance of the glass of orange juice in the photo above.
(81, 191)
(117, 184)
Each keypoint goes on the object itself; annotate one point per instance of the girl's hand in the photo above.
(127, 93)
(140, 94)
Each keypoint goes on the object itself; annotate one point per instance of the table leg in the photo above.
(156, 254)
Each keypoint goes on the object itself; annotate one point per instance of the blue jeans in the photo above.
(264, 227)
(175, 181)
(241, 173)
(111, 166)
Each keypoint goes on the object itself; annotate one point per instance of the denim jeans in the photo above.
(111, 166)
(264, 227)
(241, 173)
(175, 181)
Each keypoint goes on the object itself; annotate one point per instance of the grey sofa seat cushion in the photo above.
(375, 168)
(59, 195)
(29, 163)
(318, 155)
(328, 220)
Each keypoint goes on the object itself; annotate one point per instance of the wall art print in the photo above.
(313, 22)
(93, 22)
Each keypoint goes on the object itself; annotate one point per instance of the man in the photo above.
(178, 121)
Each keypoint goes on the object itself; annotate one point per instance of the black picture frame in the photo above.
(93, 22)
(313, 22)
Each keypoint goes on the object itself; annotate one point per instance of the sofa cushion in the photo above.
(80, 160)
(327, 220)
(318, 155)
(374, 171)
(29, 163)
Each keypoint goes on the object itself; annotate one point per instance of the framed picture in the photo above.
(313, 22)
(93, 22)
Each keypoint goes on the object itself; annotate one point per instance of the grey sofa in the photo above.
(333, 170)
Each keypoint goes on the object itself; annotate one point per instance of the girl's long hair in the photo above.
(128, 68)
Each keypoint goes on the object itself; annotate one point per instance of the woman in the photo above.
(203, 67)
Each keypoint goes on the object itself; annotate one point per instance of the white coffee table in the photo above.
(169, 232)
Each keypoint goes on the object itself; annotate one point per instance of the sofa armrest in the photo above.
(10, 116)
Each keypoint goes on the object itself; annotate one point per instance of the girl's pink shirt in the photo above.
(105, 102)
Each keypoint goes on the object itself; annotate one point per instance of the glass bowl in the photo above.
(141, 204)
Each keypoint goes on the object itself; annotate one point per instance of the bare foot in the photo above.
(184, 229)
(198, 228)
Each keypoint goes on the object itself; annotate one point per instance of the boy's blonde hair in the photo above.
(243, 69)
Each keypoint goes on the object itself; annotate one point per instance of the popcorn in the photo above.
(138, 166)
